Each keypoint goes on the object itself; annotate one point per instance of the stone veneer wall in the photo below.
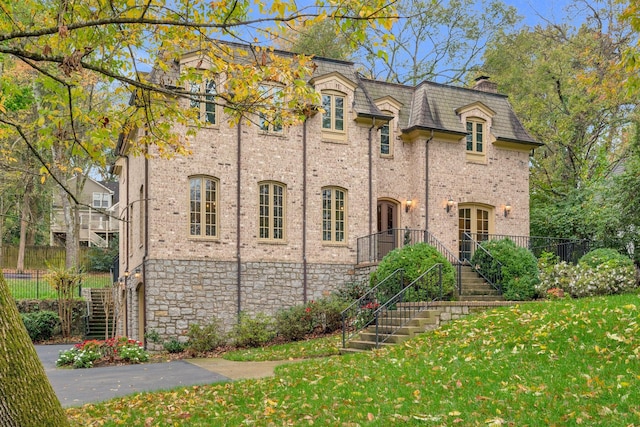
(182, 292)
(79, 311)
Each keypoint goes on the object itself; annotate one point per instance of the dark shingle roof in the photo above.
(430, 106)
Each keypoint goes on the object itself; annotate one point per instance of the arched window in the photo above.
(203, 206)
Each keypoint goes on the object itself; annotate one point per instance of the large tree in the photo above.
(26, 397)
(73, 46)
(567, 86)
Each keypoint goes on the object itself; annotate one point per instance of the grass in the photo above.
(320, 347)
(39, 288)
(561, 363)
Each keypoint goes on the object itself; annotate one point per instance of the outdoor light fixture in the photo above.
(126, 273)
(449, 204)
(407, 205)
(137, 274)
(507, 209)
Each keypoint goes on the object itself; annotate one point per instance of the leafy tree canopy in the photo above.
(72, 48)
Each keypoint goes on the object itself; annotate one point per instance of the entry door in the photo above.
(474, 221)
(387, 227)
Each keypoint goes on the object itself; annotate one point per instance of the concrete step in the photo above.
(479, 291)
(481, 298)
(386, 338)
(365, 345)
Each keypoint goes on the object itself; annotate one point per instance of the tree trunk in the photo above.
(24, 224)
(26, 396)
(72, 222)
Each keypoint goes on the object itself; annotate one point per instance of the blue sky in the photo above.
(538, 12)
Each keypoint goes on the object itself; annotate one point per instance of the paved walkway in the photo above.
(75, 387)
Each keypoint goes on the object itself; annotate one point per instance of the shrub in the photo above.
(327, 314)
(205, 338)
(414, 260)
(253, 332)
(294, 323)
(101, 259)
(174, 346)
(41, 325)
(599, 272)
(608, 256)
(517, 267)
(352, 291)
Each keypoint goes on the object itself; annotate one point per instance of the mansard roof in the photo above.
(426, 106)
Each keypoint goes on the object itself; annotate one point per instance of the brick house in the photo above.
(259, 218)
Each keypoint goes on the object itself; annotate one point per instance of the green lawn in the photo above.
(39, 288)
(567, 362)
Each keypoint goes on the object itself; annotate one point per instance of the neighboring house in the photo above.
(260, 218)
(98, 214)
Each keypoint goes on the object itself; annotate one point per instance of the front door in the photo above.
(475, 222)
(387, 227)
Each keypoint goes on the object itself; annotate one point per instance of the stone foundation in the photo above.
(182, 292)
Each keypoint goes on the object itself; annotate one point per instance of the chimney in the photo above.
(483, 84)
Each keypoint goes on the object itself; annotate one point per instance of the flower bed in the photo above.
(94, 352)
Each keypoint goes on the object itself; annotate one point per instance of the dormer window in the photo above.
(205, 105)
(385, 140)
(333, 116)
(475, 136)
(271, 120)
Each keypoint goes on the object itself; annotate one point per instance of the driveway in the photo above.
(75, 387)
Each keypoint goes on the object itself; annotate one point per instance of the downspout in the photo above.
(126, 248)
(146, 241)
(304, 211)
(426, 181)
(373, 125)
(238, 259)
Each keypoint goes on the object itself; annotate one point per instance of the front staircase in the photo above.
(392, 328)
(474, 288)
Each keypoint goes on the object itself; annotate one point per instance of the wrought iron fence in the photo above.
(569, 250)
(31, 282)
(373, 248)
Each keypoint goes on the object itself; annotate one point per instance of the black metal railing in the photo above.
(450, 256)
(491, 271)
(396, 314)
(373, 248)
(569, 250)
(360, 313)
